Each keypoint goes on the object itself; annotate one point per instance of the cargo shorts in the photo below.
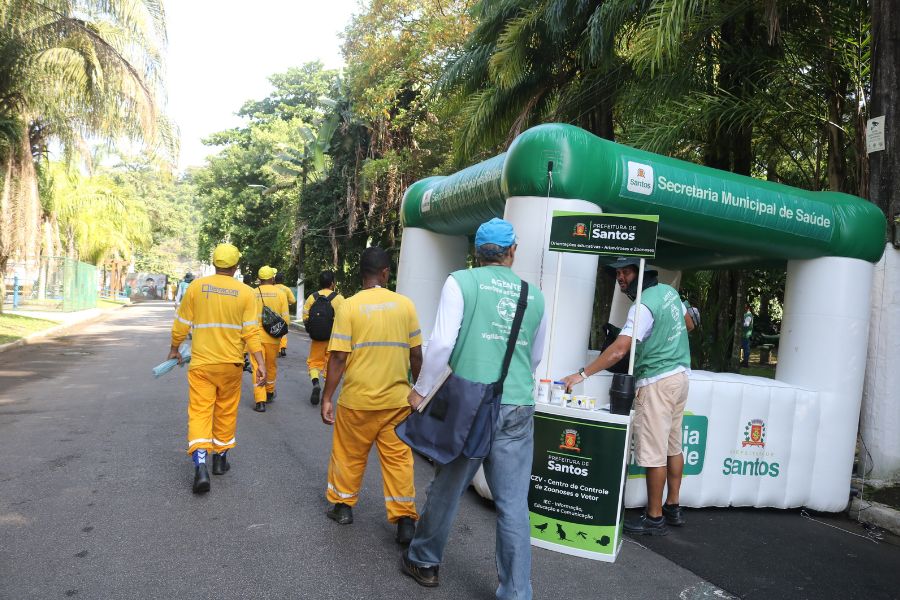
(658, 411)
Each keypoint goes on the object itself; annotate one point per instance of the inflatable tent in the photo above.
(804, 422)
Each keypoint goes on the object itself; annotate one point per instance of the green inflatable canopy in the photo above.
(707, 218)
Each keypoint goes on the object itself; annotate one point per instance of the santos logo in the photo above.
(640, 178)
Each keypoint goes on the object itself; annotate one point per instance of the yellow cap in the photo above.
(226, 256)
(267, 272)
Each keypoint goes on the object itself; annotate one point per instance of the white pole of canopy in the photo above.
(556, 286)
(637, 314)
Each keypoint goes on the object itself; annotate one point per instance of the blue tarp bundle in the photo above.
(166, 366)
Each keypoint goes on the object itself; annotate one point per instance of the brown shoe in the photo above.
(424, 576)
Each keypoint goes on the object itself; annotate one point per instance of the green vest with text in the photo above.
(667, 346)
(490, 295)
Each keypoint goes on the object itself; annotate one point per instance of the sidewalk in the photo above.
(66, 322)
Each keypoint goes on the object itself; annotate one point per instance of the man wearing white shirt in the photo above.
(470, 335)
(661, 366)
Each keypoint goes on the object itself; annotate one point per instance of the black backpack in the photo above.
(321, 317)
(272, 322)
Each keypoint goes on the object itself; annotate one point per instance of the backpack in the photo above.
(321, 317)
(272, 322)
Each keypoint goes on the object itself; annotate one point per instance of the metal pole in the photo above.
(556, 286)
(15, 292)
(637, 314)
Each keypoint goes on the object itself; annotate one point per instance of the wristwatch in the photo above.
(582, 373)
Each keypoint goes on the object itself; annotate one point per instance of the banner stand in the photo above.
(576, 494)
(579, 466)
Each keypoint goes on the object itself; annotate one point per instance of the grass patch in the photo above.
(887, 495)
(15, 327)
(104, 303)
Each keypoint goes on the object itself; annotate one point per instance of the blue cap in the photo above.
(496, 231)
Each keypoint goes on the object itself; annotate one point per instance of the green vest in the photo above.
(667, 346)
(747, 329)
(490, 295)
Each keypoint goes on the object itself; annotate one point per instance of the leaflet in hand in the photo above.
(437, 385)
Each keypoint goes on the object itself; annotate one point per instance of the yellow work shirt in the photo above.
(221, 313)
(377, 327)
(335, 302)
(291, 298)
(276, 300)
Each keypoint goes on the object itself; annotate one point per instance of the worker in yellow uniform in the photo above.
(221, 312)
(318, 319)
(292, 300)
(269, 295)
(375, 342)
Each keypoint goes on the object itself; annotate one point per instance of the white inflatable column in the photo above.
(531, 216)
(824, 338)
(880, 419)
(426, 258)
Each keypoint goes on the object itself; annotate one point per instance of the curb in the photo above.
(57, 330)
(877, 514)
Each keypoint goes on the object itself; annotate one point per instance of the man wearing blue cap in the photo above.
(470, 335)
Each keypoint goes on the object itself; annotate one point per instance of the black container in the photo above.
(621, 394)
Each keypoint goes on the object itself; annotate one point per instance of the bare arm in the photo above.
(337, 363)
(618, 350)
(415, 361)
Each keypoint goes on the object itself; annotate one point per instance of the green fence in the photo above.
(53, 283)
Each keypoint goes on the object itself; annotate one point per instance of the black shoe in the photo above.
(260, 407)
(282, 353)
(314, 397)
(270, 396)
(340, 513)
(406, 529)
(644, 525)
(424, 576)
(201, 479)
(672, 513)
(220, 464)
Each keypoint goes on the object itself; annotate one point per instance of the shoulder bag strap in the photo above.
(330, 296)
(513, 334)
(259, 291)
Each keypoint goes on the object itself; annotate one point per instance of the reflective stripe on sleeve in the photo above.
(185, 321)
(248, 323)
(415, 333)
(340, 336)
(381, 344)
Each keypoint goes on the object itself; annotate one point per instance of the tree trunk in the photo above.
(884, 166)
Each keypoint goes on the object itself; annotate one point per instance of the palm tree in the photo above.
(69, 70)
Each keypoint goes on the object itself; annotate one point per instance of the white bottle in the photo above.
(543, 391)
(556, 393)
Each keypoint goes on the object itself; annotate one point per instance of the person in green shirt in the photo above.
(471, 333)
(746, 333)
(662, 362)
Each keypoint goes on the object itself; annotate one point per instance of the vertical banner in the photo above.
(577, 478)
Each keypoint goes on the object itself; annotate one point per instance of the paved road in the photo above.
(95, 501)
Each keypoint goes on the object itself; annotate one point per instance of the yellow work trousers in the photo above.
(213, 398)
(270, 354)
(283, 343)
(354, 433)
(317, 361)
